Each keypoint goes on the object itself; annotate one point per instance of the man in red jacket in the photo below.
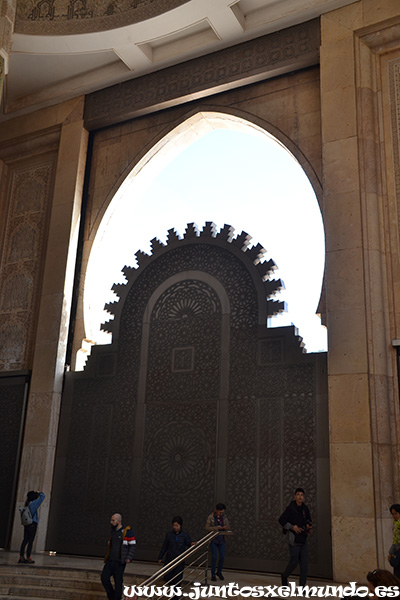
(120, 551)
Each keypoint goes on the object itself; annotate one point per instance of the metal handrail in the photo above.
(171, 565)
(193, 568)
(182, 557)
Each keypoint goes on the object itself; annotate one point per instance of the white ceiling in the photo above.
(44, 70)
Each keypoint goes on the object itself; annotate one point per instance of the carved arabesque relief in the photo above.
(186, 312)
(29, 195)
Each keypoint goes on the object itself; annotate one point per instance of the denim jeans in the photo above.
(215, 548)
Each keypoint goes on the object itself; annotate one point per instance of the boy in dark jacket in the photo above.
(296, 522)
(175, 543)
(120, 551)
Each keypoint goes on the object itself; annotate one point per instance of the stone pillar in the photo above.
(7, 18)
(363, 401)
(36, 471)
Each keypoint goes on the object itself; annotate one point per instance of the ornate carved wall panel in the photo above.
(203, 404)
(28, 200)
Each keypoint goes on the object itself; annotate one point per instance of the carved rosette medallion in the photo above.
(178, 458)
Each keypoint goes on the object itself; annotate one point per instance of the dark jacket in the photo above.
(174, 545)
(296, 515)
(128, 545)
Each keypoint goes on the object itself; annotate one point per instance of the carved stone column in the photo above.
(40, 436)
(361, 271)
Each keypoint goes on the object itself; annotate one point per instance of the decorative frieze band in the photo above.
(65, 17)
(274, 54)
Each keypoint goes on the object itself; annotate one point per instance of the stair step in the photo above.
(57, 593)
(48, 571)
(8, 597)
(82, 576)
(20, 582)
(66, 573)
(41, 581)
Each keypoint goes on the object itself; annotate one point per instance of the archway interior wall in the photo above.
(287, 108)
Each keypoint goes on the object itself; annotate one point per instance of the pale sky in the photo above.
(248, 181)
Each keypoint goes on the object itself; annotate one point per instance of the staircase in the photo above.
(22, 582)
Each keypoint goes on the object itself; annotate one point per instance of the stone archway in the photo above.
(136, 177)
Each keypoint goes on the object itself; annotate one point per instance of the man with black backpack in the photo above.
(32, 503)
(297, 524)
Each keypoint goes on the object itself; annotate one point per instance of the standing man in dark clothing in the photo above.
(217, 521)
(175, 543)
(297, 524)
(120, 551)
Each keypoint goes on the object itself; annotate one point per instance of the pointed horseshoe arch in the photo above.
(136, 179)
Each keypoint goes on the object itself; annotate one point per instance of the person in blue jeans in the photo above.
(217, 521)
(33, 500)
